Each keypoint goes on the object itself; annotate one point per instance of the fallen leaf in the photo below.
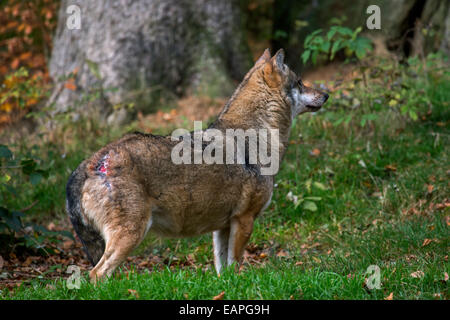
(67, 244)
(390, 167)
(25, 56)
(377, 195)
(299, 263)
(417, 274)
(430, 188)
(70, 85)
(282, 253)
(15, 63)
(143, 264)
(390, 296)
(219, 296)
(315, 152)
(426, 242)
(134, 293)
(28, 261)
(28, 29)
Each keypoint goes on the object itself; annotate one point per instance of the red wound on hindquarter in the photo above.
(101, 166)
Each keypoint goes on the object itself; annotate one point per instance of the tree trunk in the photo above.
(134, 51)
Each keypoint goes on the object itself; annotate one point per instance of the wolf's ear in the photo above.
(275, 69)
(278, 61)
(264, 58)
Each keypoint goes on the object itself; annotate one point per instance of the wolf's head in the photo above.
(280, 79)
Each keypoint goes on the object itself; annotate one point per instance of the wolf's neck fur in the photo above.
(257, 107)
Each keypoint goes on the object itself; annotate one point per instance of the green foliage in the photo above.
(21, 90)
(18, 172)
(384, 85)
(325, 46)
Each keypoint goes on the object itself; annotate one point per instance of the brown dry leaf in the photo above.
(219, 296)
(426, 242)
(25, 56)
(430, 188)
(134, 293)
(15, 63)
(390, 296)
(143, 264)
(282, 253)
(70, 85)
(31, 102)
(299, 263)
(67, 244)
(417, 274)
(315, 152)
(28, 261)
(7, 107)
(28, 29)
(48, 14)
(390, 167)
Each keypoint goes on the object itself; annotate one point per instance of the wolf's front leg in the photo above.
(240, 232)
(220, 243)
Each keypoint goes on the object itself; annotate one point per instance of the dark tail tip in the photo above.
(92, 240)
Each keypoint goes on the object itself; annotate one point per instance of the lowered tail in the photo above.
(93, 242)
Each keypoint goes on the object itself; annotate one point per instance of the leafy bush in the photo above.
(18, 172)
(317, 45)
(381, 84)
(386, 85)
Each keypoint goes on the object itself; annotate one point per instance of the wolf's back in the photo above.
(90, 237)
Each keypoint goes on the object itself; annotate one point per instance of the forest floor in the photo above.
(353, 203)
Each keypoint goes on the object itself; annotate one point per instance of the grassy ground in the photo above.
(368, 195)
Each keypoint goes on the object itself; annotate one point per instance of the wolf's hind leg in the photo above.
(220, 243)
(126, 230)
(119, 245)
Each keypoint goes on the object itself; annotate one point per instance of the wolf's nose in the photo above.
(326, 97)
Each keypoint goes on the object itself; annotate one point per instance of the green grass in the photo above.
(367, 214)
